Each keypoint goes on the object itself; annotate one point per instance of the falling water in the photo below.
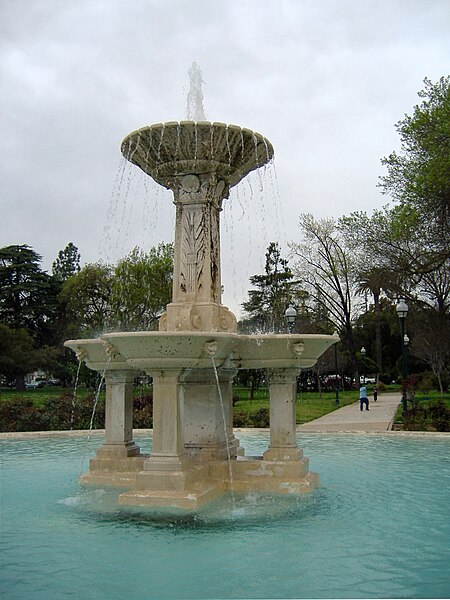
(94, 410)
(74, 397)
(195, 110)
(230, 471)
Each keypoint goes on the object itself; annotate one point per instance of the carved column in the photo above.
(119, 416)
(283, 394)
(168, 450)
(196, 299)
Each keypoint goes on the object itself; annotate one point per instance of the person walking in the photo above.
(363, 399)
(375, 394)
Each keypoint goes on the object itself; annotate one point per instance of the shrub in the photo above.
(416, 419)
(59, 412)
(439, 415)
(241, 420)
(261, 418)
(19, 414)
(143, 412)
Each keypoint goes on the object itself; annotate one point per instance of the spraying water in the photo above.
(195, 110)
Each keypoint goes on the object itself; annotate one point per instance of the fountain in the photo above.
(197, 351)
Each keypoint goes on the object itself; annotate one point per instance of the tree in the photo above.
(372, 281)
(17, 354)
(324, 267)
(67, 263)
(431, 342)
(130, 296)
(419, 176)
(142, 287)
(86, 297)
(275, 288)
(27, 295)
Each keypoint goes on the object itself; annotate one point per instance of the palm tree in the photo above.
(375, 280)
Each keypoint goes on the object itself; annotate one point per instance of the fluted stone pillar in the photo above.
(119, 416)
(283, 394)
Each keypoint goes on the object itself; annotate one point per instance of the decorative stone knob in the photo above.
(210, 348)
(298, 348)
(81, 353)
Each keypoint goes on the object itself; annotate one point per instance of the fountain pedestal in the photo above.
(119, 458)
(283, 395)
(208, 416)
(196, 297)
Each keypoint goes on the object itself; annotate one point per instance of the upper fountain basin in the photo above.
(167, 150)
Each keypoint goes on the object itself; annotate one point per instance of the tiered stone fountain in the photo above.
(196, 353)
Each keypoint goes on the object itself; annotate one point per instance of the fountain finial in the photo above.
(195, 110)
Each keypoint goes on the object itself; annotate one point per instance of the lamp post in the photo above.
(363, 354)
(336, 371)
(405, 345)
(290, 315)
(402, 312)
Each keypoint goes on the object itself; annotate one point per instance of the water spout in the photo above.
(195, 110)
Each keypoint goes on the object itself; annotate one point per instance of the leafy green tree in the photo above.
(67, 263)
(86, 297)
(419, 175)
(130, 296)
(275, 288)
(18, 355)
(142, 287)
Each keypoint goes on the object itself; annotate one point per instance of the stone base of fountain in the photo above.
(196, 456)
(113, 471)
(202, 483)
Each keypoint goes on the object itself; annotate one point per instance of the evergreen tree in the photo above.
(67, 263)
(275, 288)
(27, 295)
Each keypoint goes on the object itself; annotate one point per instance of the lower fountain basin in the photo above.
(147, 350)
(280, 351)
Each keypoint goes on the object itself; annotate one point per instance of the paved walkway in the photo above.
(378, 418)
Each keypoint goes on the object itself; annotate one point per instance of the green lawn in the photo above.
(310, 405)
(40, 395)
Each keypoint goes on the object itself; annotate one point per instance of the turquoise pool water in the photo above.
(378, 527)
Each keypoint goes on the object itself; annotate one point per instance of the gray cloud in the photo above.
(324, 81)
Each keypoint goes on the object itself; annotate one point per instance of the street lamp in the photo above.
(405, 345)
(363, 354)
(336, 370)
(402, 312)
(290, 315)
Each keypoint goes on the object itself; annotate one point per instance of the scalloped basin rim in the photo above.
(218, 124)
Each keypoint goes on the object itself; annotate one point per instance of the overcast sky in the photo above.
(324, 80)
